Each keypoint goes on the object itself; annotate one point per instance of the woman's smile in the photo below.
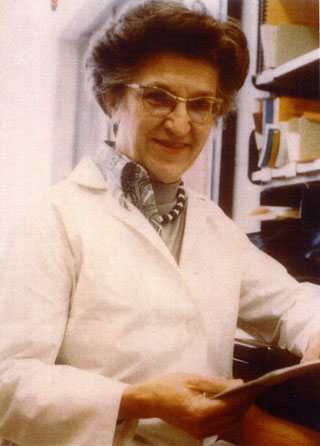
(172, 146)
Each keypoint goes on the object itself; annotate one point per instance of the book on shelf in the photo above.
(280, 12)
(264, 213)
(282, 156)
(303, 138)
(257, 119)
(290, 132)
(313, 116)
(285, 42)
(263, 119)
(301, 12)
(259, 140)
(268, 113)
(270, 147)
(285, 107)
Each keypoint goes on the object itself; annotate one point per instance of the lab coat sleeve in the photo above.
(42, 403)
(274, 307)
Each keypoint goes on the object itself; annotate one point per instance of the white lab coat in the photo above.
(92, 300)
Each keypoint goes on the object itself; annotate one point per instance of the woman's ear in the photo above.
(112, 107)
(111, 104)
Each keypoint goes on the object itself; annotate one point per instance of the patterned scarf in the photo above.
(128, 180)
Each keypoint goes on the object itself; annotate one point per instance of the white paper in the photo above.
(271, 378)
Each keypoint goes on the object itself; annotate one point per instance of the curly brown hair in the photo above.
(157, 26)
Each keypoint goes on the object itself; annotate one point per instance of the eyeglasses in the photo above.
(160, 103)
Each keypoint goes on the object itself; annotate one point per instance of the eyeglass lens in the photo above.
(160, 103)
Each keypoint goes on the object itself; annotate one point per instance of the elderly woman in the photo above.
(123, 290)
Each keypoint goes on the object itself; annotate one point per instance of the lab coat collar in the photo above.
(88, 175)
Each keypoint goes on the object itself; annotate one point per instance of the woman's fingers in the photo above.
(313, 349)
(180, 399)
(213, 385)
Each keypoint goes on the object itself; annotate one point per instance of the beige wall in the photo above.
(34, 121)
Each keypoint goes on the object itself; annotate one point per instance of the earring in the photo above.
(115, 128)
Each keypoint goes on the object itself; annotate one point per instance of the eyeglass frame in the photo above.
(178, 99)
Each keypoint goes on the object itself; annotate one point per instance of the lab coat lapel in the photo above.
(132, 217)
(197, 212)
(88, 175)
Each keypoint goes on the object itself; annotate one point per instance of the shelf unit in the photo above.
(295, 243)
(292, 173)
(298, 77)
(287, 77)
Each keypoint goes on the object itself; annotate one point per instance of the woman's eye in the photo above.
(157, 97)
(200, 105)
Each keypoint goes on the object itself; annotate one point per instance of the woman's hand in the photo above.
(179, 399)
(313, 348)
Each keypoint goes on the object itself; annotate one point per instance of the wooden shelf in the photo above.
(300, 76)
(297, 176)
(299, 179)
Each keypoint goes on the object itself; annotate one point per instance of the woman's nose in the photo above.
(178, 121)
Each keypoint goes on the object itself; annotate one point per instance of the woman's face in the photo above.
(166, 146)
